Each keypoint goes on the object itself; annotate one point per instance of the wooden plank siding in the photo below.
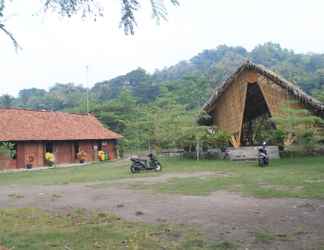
(30, 149)
(87, 147)
(64, 152)
(111, 148)
(20, 155)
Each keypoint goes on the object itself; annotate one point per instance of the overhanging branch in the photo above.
(12, 38)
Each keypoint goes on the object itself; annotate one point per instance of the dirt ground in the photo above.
(249, 222)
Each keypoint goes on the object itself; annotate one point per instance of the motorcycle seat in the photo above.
(140, 158)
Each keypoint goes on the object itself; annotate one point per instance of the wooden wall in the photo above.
(87, 147)
(7, 163)
(111, 148)
(64, 153)
(20, 155)
(30, 149)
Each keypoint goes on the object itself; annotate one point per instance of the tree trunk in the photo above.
(197, 150)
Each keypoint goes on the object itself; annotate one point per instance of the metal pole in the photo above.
(87, 84)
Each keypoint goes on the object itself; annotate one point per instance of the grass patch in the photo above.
(298, 177)
(32, 229)
(225, 245)
(15, 196)
(264, 237)
(61, 176)
(268, 237)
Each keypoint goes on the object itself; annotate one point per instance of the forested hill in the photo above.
(151, 109)
(215, 65)
(203, 71)
(305, 69)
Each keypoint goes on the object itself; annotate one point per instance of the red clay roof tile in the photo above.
(30, 125)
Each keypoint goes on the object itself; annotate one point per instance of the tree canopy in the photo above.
(160, 109)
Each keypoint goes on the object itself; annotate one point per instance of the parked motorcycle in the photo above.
(149, 163)
(263, 157)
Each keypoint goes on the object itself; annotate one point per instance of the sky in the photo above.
(57, 49)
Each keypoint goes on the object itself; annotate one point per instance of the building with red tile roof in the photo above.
(33, 133)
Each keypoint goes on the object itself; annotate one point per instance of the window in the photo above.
(9, 149)
(13, 151)
(49, 147)
(99, 144)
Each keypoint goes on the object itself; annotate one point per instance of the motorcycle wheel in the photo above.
(158, 167)
(134, 170)
(261, 163)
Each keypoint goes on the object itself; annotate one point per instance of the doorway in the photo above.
(256, 117)
(49, 147)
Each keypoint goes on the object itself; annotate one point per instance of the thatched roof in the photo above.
(293, 89)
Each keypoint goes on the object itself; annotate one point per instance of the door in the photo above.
(64, 152)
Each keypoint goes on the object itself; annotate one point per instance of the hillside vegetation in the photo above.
(150, 109)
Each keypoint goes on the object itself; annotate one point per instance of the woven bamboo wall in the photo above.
(276, 97)
(229, 108)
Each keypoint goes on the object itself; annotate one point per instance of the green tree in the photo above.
(7, 101)
(163, 120)
(66, 96)
(32, 98)
(299, 126)
(4, 149)
(119, 115)
(191, 90)
(192, 134)
(319, 94)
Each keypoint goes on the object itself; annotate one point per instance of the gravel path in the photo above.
(291, 223)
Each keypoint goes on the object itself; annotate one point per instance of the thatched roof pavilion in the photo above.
(254, 91)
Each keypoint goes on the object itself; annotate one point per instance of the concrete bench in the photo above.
(251, 153)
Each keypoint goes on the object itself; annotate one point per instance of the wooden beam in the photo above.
(242, 113)
(236, 142)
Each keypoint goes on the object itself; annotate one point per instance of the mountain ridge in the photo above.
(212, 66)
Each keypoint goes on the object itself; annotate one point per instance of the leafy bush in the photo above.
(217, 139)
(5, 150)
(298, 127)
